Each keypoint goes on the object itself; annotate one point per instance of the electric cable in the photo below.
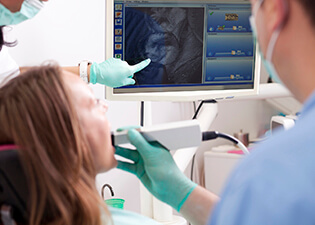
(195, 107)
(192, 168)
(200, 105)
(142, 114)
(210, 135)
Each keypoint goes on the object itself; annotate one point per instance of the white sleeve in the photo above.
(8, 67)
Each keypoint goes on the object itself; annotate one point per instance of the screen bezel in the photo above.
(179, 96)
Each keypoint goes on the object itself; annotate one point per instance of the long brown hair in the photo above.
(37, 114)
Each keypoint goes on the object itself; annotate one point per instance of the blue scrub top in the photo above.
(276, 183)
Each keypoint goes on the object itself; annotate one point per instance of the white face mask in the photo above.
(28, 10)
(273, 40)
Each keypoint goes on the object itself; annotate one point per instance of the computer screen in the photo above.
(198, 49)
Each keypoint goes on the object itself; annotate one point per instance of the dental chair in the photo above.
(13, 188)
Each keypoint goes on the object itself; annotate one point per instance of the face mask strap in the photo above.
(273, 39)
(257, 6)
(252, 18)
(272, 43)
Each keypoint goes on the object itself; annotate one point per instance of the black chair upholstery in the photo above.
(13, 185)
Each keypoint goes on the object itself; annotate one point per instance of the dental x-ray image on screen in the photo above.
(199, 49)
(172, 37)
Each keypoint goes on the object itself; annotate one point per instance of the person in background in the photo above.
(63, 139)
(275, 183)
(112, 72)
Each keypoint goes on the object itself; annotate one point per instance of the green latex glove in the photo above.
(115, 72)
(155, 167)
(128, 128)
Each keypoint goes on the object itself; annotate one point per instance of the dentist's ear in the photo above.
(279, 10)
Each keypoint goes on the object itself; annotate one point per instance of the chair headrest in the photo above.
(13, 184)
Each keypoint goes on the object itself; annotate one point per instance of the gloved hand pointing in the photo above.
(155, 167)
(115, 72)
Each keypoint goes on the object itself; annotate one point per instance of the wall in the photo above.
(73, 30)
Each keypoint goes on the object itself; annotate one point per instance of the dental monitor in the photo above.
(199, 50)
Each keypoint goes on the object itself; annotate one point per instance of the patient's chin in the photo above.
(109, 165)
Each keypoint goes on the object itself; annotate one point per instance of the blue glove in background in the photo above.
(155, 167)
(115, 72)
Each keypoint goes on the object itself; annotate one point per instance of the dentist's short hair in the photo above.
(309, 6)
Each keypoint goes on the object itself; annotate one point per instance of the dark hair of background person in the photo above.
(309, 6)
(38, 116)
(3, 42)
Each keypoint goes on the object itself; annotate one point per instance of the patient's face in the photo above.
(92, 116)
(162, 48)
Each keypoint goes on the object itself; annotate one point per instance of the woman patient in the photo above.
(63, 139)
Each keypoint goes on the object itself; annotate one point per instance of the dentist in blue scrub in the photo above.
(275, 184)
(112, 72)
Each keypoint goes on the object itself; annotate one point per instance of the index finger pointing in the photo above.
(140, 66)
